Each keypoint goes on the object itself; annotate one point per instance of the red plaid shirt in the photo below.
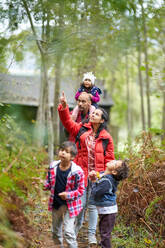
(90, 143)
(74, 187)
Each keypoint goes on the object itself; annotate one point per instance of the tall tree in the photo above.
(146, 65)
(45, 84)
(129, 129)
(139, 50)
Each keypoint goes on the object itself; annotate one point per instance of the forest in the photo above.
(122, 43)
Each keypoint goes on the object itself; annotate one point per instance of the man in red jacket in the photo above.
(95, 150)
(85, 108)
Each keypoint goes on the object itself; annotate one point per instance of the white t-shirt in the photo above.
(107, 210)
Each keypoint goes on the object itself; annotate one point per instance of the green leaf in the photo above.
(142, 68)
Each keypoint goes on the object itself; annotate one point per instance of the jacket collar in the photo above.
(103, 133)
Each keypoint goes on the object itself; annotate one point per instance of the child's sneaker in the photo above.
(92, 241)
(92, 246)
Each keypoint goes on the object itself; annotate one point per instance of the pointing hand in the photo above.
(63, 100)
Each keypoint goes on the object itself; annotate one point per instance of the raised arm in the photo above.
(63, 101)
(64, 114)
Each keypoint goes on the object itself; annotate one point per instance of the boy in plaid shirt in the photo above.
(65, 180)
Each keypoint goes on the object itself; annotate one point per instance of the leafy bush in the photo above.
(142, 196)
(20, 165)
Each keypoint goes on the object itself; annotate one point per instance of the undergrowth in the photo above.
(133, 236)
(141, 197)
(21, 170)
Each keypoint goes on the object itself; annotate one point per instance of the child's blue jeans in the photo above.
(61, 218)
(92, 216)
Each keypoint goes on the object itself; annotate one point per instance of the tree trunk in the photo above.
(140, 82)
(40, 119)
(56, 100)
(58, 59)
(163, 120)
(49, 119)
(113, 81)
(44, 87)
(139, 69)
(128, 99)
(39, 130)
(48, 114)
(146, 66)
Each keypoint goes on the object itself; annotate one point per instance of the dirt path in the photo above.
(42, 220)
(45, 240)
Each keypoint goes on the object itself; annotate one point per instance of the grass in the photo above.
(133, 236)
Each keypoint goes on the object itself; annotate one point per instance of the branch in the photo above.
(16, 158)
(32, 26)
(12, 59)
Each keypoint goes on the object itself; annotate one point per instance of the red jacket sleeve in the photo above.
(71, 126)
(109, 151)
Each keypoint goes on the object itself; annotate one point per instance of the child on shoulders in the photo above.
(103, 194)
(65, 180)
(88, 86)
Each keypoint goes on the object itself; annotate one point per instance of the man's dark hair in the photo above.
(71, 146)
(122, 171)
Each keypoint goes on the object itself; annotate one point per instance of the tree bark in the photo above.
(40, 125)
(40, 118)
(139, 68)
(163, 120)
(44, 87)
(49, 119)
(58, 59)
(140, 82)
(56, 100)
(129, 131)
(146, 66)
(113, 81)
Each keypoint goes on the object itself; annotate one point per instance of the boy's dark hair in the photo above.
(71, 146)
(122, 171)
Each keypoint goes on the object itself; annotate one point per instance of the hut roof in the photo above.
(24, 90)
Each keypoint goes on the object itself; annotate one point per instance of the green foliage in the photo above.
(6, 184)
(8, 238)
(141, 197)
(20, 163)
(133, 237)
(156, 131)
(152, 206)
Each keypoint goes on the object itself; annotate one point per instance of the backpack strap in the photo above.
(105, 142)
(80, 132)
